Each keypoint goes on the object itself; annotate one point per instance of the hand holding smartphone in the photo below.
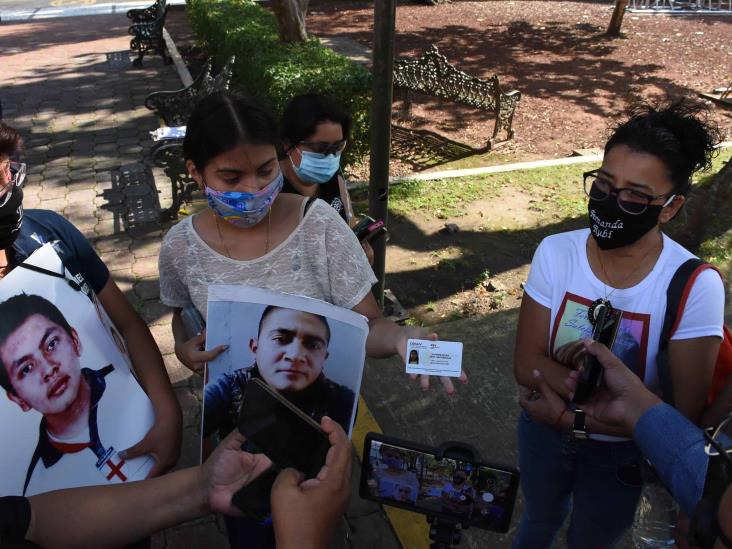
(607, 321)
(369, 229)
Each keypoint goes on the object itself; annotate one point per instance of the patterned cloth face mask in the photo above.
(244, 210)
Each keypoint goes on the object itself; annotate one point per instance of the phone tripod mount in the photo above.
(445, 533)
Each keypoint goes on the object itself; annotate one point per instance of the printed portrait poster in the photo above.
(309, 351)
(631, 341)
(69, 400)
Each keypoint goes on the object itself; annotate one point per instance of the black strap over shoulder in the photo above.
(47, 272)
(674, 294)
(309, 203)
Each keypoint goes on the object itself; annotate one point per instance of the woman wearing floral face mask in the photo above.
(623, 262)
(254, 234)
(314, 130)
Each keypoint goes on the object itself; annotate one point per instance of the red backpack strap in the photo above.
(676, 297)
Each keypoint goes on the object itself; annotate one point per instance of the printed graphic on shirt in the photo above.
(631, 342)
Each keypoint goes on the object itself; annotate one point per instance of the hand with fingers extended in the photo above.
(305, 512)
(416, 332)
(193, 355)
(162, 441)
(624, 399)
(227, 470)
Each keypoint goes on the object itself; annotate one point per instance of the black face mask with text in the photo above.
(11, 217)
(613, 228)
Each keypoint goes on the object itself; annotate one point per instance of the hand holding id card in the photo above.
(434, 358)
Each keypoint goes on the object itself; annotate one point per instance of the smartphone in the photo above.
(284, 433)
(605, 329)
(412, 476)
(369, 229)
(193, 322)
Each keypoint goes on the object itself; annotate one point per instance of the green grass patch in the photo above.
(556, 190)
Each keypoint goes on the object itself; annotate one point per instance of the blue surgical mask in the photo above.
(244, 209)
(316, 168)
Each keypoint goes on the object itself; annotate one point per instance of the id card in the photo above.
(434, 358)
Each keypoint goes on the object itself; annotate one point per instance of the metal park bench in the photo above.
(174, 108)
(148, 36)
(432, 74)
(148, 14)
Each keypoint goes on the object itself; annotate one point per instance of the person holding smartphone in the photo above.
(305, 512)
(571, 461)
(254, 234)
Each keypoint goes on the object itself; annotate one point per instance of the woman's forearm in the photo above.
(384, 337)
(115, 515)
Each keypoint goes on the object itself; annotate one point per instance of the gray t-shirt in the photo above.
(321, 258)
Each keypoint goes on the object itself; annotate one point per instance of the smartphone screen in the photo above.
(283, 432)
(412, 477)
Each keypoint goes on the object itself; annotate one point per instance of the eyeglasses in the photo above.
(15, 171)
(629, 200)
(323, 147)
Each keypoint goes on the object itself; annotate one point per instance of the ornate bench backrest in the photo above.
(223, 79)
(434, 75)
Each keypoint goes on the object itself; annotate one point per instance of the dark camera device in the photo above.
(450, 484)
(284, 433)
(605, 329)
(369, 229)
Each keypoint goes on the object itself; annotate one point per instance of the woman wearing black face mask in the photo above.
(23, 232)
(624, 262)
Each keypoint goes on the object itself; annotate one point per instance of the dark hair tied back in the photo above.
(224, 120)
(302, 115)
(677, 133)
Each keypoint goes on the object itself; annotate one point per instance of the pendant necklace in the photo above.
(223, 242)
(600, 302)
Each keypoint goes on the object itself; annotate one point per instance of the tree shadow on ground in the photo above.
(479, 251)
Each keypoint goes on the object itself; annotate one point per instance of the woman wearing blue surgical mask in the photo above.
(253, 234)
(314, 130)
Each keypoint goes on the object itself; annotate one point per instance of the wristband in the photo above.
(557, 423)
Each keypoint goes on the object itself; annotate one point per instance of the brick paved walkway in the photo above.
(68, 86)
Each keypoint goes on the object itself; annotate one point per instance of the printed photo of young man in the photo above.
(41, 370)
(289, 353)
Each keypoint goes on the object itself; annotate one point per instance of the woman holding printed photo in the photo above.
(253, 234)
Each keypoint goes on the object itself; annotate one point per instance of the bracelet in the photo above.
(557, 425)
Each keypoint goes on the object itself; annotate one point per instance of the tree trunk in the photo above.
(703, 208)
(291, 20)
(616, 21)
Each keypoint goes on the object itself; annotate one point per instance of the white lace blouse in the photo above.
(321, 258)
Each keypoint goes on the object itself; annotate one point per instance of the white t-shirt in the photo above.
(321, 258)
(561, 279)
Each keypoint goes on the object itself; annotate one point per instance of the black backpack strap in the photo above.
(674, 294)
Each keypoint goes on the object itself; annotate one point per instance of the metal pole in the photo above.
(383, 63)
